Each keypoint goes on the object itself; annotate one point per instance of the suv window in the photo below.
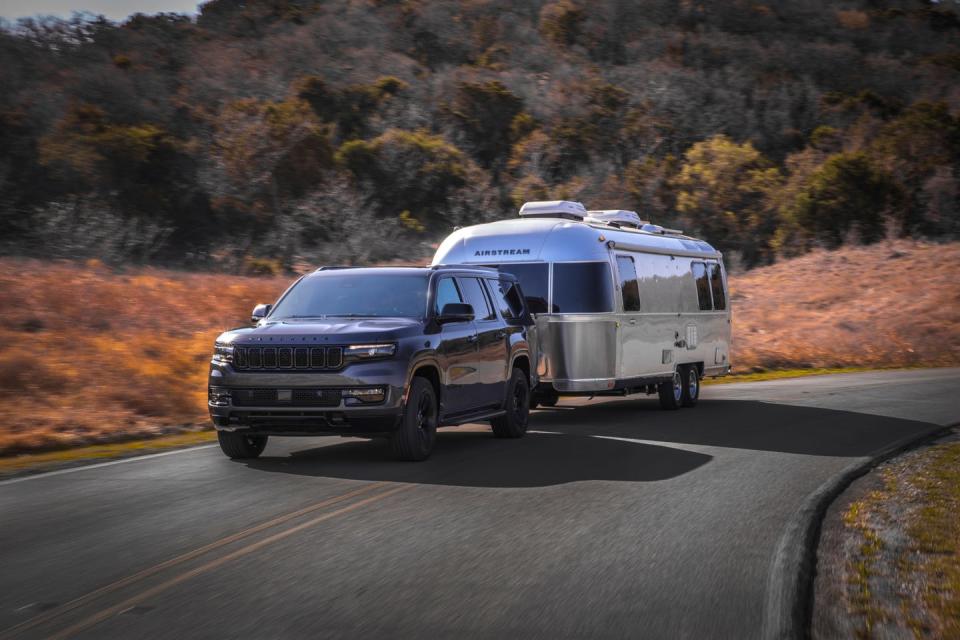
(716, 285)
(473, 295)
(629, 288)
(703, 285)
(447, 293)
(582, 287)
(506, 295)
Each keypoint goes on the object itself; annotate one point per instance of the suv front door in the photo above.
(492, 341)
(457, 352)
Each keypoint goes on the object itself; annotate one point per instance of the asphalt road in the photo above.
(610, 519)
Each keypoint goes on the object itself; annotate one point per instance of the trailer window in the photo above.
(534, 279)
(716, 285)
(629, 289)
(582, 287)
(703, 285)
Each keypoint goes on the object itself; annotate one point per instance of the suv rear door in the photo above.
(492, 341)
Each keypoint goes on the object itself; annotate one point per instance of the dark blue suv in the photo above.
(377, 352)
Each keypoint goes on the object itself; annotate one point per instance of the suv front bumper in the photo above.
(300, 403)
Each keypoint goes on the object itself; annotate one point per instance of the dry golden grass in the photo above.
(894, 304)
(91, 355)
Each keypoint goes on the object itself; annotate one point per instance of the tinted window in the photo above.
(507, 298)
(716, 285)
(355, 294)
(703, 285)
(473, 295)
(447, 293)
(629, 288)
(534, 280)
(582, 287)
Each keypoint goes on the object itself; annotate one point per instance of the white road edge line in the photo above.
(99, 465)
(694, 448)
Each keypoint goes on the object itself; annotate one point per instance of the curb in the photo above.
(787, 610)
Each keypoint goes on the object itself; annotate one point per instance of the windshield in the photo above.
(355, 295)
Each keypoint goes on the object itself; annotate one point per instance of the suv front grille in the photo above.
(286, 397)
(287, 358)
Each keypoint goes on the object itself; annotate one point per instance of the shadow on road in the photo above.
(574, 452)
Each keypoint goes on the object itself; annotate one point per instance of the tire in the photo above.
(240, 446)
(691, 385)
(417, 433)
(671, 392)
(513, 424)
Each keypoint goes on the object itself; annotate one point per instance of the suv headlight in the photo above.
(367, 351)
(222, 353)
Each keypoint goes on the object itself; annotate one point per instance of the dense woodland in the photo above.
(263, 134)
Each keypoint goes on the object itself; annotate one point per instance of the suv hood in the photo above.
(330, 330)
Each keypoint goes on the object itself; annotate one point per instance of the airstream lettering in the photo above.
(621, 305)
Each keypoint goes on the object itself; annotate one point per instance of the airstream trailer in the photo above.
(621, 305)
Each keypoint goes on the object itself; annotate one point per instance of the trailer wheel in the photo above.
(241, 446)
(671, 392)
(691, 385)
(514, 423)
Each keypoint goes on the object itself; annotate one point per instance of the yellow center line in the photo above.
(146, 573)
(99, 617)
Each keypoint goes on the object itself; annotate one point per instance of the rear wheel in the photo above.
(513, 424)
(671, 392)
(691, 385)
(417, 433)
(241, 446)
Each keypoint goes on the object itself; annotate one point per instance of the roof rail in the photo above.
(336, 267)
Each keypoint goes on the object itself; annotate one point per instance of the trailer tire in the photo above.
(513, 424)
(671, 392)
(417, 431)
(241, 446)
(691, 385)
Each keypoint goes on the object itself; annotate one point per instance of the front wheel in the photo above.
(241, 446)
(671, 392)
(513, 424)
(414, 438)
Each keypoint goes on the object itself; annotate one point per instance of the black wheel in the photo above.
(417, 433)
(671, 392)
(691, 385)
(513, 424)
(241, 446)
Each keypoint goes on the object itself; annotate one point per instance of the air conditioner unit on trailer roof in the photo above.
(616, 218)
(554, 209)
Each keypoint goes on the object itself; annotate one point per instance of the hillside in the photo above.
(263, 133)
(90, 354)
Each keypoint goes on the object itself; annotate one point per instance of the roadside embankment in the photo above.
(888, 563)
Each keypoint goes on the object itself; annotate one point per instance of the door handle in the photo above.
(633, 321)
(472, 338)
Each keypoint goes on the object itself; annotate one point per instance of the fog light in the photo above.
(218, 396)
(364, 396)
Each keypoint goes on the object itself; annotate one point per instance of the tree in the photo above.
(724, 193)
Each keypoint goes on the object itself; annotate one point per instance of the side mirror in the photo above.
(260, 312)
(455, 312)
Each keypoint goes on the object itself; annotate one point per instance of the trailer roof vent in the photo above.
(616, 218)
(655, 228)
(554, 209)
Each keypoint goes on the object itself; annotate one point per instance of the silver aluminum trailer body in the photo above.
(595, 336)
